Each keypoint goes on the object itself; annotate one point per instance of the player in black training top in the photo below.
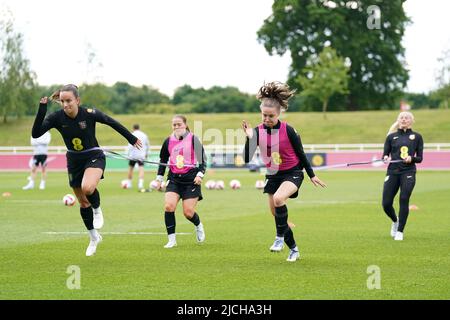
(85, 160)
(182, 151)
(282, 152)
(401, 144)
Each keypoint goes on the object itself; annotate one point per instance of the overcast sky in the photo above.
(169, 43)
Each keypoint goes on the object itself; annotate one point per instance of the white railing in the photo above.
(239, 148)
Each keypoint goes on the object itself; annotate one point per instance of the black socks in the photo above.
(169, 218)
(88, 217)
(195, 219)
(283, 230)
(94, 199)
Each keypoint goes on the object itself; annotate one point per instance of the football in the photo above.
(210, 184)
(125, 184)
(69, 200)
(235, 184)
(220, 185)
(153, 184)
(259, 184)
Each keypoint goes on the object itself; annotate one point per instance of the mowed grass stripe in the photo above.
(338, 242)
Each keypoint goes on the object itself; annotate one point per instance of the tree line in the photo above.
(123, 98)
(346, 56)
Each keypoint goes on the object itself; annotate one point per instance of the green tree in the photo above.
(129, 99)
(17, 81)
(324, 76)
(215, 100)
(421, 100)
(368, 37)
(96, 95)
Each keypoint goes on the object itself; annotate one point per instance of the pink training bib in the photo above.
(181, 154)
(276, 150)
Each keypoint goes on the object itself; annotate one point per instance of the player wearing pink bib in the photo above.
(281, 151)
(182, 151)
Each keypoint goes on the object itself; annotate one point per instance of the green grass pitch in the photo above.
(341, 232)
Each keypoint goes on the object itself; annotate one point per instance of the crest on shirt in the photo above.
(412, 136)
(90, 110)
(82, 124)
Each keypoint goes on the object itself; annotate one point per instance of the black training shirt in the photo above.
(78, 133)
(400, 145)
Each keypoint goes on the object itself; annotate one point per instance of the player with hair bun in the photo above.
(281, 151)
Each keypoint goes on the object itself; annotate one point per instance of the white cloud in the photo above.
(169, 43)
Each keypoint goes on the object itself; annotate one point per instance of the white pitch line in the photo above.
(112, 233)
(335, 202)
(36, 201)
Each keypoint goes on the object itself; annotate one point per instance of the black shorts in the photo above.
(78, 163)
(132, 163)
(40, 159)
(274, 182)
(185, 191)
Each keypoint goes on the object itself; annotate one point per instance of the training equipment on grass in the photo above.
(355, 164)
(259, 184)
(210, 184)
(220, 185)
(116, 155)
(153, 184)
(69, 200)
(235, 184)
(125, 184)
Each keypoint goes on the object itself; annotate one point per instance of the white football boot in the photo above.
(394, 228)
(200, 232)
(294, 255)
(98, 218)
(399, 236)
(278, 245)
(29, 186)
(92, 248)
(172, 241)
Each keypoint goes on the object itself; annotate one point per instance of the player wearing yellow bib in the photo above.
(85, 159)
(401, 144)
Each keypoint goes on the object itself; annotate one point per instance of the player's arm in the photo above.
(200, 155)
(42, 124)
(387, 148)
(251, 142)
(164, 156)
(296, 142)
(105, 119)
(419, 152)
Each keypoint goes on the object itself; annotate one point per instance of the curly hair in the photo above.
(275, 94)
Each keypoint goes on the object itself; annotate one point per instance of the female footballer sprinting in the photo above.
(282, 153)
(401, 144)
(85, 160)
(182, 151)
